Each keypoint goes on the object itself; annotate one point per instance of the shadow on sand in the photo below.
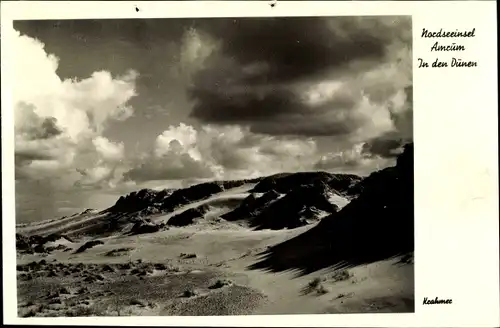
(377, 225)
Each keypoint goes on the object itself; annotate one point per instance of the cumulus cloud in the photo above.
(170, 166)
(175, 156)
(237, 152)
(181, 138)
(221, 152)
(34, 127)
(233, 152)
(388, 145)
(59, 123)
(357, 160)
(108, 150)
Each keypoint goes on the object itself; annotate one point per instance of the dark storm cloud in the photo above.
(298, 47)
(226, 107)
(253, 79)
(277, 113)
(242, 82)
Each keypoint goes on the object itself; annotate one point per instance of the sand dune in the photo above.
(342, 258)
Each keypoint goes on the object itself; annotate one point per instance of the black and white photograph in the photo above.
(214, 166)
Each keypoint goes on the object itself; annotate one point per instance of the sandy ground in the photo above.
(202, 269)
(164, 279)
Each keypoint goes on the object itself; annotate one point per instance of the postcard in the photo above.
(252, 163)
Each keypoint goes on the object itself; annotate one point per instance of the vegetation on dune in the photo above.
(189, 293)
(341, 275)
(119, 251)
(221, 283)
(37, 243)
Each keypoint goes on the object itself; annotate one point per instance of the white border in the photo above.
(456, 152)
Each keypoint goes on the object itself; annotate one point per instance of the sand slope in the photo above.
(345, 262)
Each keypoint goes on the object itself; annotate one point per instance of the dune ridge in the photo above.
(292, 242)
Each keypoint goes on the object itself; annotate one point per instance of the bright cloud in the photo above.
(59, 123)
(226, 152)
(354, 160)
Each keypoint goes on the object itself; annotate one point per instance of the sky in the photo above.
(105, 107)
